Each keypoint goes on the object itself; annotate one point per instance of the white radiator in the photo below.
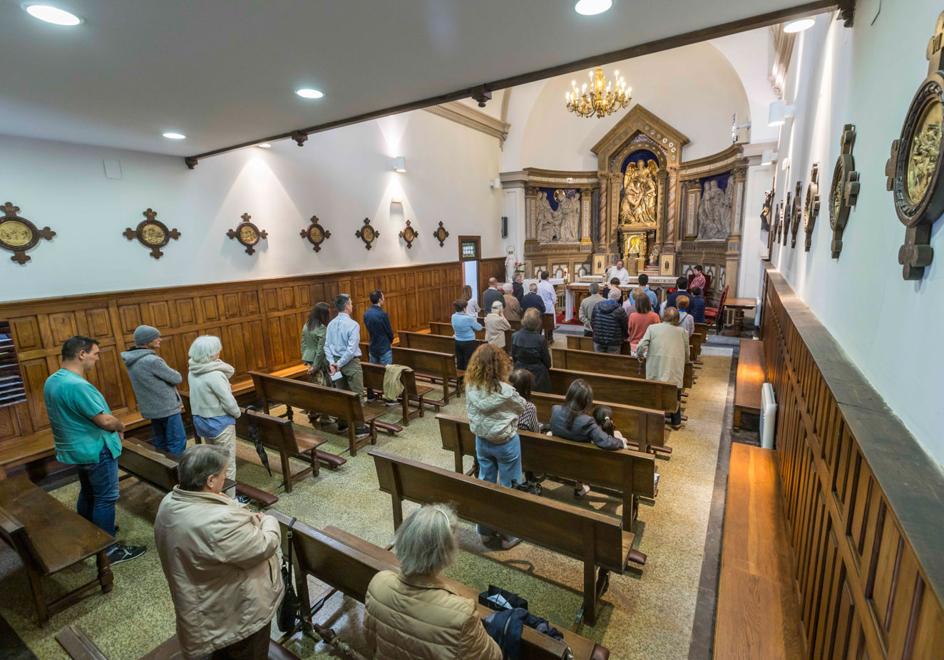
(768, 416)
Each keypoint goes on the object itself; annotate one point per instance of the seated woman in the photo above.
(412, 613)
(529, 350)
(521, 380)
(464, 327)
(571, 421)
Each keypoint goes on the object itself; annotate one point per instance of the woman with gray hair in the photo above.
(221, 562)
(212, 404)
(413, 613)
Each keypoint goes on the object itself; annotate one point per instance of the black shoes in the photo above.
(121, 552)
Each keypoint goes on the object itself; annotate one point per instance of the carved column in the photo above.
(732, 255)
(585, 216)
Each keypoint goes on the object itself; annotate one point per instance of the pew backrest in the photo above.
(581, 343)
(605, 363)
(276, 433)
(632, 391)
(427, 342)
(149, 464)
(554, 525)
(308, 396)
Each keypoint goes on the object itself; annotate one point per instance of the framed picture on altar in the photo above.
(667, 264)
(599, 264)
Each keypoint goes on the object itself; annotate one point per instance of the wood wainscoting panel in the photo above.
(258, 321)
(863, 501)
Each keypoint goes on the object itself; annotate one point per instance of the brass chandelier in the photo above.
(601, 98)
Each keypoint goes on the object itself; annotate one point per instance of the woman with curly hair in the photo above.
(494, 407)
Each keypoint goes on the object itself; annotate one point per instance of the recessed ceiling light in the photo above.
(309, 93)
(592, 7)
(799, 25)
(50, 14)
(264, 145)
(171, 135)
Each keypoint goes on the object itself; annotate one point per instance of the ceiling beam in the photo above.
(482, 92)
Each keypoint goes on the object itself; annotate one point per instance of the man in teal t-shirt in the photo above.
(86, 435)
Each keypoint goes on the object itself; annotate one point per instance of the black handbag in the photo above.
(289, 610)
(499, 599)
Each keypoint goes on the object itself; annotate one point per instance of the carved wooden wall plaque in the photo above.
(315, 234)
(367, 234)
(843, 189)
(248, 233)
(766, 210)
(18, 234)
(409, 234)
(811, 207)
(152, 233)
(914, 168)
(441, 234)
(796, 213)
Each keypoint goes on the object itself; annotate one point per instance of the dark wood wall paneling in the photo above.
(494, 267)
(863, 501)
(258, 321)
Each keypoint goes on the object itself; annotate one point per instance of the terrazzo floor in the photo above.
(647, 615)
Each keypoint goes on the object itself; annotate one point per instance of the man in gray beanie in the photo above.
(155, 387)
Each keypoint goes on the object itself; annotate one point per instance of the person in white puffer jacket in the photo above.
(212, 404)
(494, 407)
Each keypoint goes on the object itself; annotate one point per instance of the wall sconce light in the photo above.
(778, 113)
(398, 164)
(495, 184)
(768, 157)
(785, 164)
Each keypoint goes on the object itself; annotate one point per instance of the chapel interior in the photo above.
(219, 168)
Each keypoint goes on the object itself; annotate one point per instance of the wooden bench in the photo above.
(629, 474)
(630, 391)
(341, 404)
(78, 646)
(581, 343)
(279, 434)
(605, 363)
(49, 538)
(347, 563)
(374, 375)
(644, 428)
(426, 342)
(435, 366)
(750, 379)
(757, 612)
(590, 537)
(412, 391)
(445, 329)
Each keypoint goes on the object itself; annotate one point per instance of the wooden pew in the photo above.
(427, 342)
(348, 563)
(374, 384)
(445, 329)
(412, 391)
(629, 473)
(643, 427)
(580, 343)
(750, 380)
(432, 365)
(588, 536)
(605, 363)
(279, 434)
(630, 391)
(49, 538)
(341, 404)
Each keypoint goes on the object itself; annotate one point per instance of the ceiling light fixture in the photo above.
(264, 145)
(602, 98)
(309, 93)
(50, 14)
(799, 25)
(592, 7)
(171, 135)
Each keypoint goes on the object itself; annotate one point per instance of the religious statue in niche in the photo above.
(367, 234)
(914, 168)
(811, 207)
(715, 209)
(315, 234)
(640, 193)
(247, 233)
(18, 234)
(152, 233)
(560, 222)
(844, 189)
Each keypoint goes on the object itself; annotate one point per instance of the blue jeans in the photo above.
(498, 464)
(384, 358)
(98, 491)
(167, 434)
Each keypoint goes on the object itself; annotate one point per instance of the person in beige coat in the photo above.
(512, 304)
(222, 562)
(412, 614)
(495, 325)
(665, 347)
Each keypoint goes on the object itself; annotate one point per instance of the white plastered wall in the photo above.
(342, 176)
(887, 326)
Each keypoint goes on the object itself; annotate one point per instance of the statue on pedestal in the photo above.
(511, 264)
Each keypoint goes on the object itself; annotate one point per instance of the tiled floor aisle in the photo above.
(649, 616)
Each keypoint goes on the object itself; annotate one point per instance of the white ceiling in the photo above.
(224, 71)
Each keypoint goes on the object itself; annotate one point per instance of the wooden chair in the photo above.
(347, 563)
(49, 538)
(608, 364)
(644, 428)
(629, 391)
(588, 536)
(715, 315)
(341, 404)
(628, 474)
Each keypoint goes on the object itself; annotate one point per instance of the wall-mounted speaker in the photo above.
(504, 226)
